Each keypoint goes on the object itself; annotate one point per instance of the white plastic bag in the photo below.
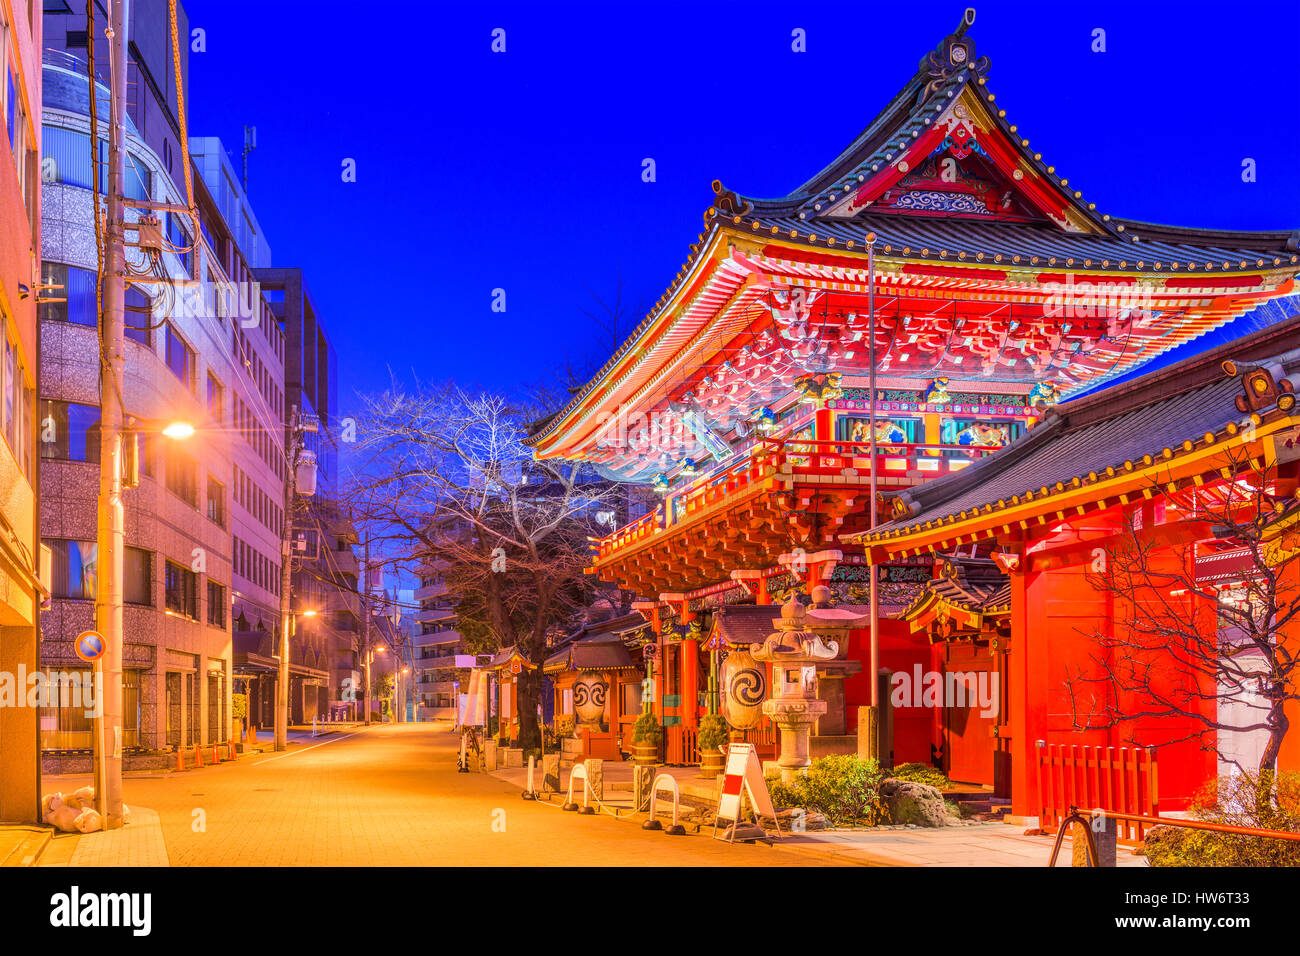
(49, 803)
(65, 819)
(80, 799)
(88, 821)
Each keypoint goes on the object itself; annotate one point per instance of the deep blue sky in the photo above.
(522, 170)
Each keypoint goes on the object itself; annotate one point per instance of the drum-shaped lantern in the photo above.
(589, 693)
(744, 686)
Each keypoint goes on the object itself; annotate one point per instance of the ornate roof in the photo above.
(974, 234)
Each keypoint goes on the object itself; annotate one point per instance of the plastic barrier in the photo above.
(579, 772)
(664, 781)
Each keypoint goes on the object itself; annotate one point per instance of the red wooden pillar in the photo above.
(761, 595)
(1028, 679)
(823, 425)
(690, 683)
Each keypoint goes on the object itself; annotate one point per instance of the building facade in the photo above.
(20, 244)
(326, 570)
(180, 365)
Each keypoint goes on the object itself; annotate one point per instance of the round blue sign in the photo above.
(91, 646)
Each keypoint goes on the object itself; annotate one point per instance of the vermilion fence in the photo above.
(682, 744)
(1121, 780)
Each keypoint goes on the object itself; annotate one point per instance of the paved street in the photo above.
(385, 796)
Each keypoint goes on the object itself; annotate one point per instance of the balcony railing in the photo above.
(800, 459)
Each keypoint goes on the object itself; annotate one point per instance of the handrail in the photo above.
(1076, 816)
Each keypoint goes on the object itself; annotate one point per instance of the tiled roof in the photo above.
(941, 240)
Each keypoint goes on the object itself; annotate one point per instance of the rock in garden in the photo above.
(915, 803)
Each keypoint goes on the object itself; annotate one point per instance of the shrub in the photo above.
(1239, 800)
(714, 732)
(565, 725)
(920, 773)
(844, 788)
(647, 729)
(238, 706)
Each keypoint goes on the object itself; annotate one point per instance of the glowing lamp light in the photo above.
(308, 613)
(179, 430)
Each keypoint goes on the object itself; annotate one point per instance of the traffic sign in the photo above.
(90, 646)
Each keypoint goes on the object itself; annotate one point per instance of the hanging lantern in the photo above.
(744, 685)
(589, 693)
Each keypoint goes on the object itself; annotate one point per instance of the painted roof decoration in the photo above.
(990, 269)
(965, 595)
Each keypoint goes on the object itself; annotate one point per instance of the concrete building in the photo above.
(20, 589)
(256, 398)
(327, 668)
(438, 653)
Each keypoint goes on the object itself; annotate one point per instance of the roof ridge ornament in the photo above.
(955, 53)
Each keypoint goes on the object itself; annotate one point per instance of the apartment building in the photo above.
(180, 365)
(326, 570)
(256, 400)
(20, 230)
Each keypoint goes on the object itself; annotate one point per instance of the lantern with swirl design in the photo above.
(589, 693)
(744, 685)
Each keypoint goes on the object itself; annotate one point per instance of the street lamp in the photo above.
(119, 469)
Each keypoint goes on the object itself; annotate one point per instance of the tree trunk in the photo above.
(529, 686)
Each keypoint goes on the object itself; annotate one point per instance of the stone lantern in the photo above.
(794, 653)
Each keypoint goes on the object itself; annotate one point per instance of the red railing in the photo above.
(682, 744)
(1120, 780)
(797, 458)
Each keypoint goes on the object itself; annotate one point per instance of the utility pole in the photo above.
(286, 582)
(111, 522)
(365, 623)
(873, 732)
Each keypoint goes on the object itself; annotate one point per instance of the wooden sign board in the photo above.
(743, 776)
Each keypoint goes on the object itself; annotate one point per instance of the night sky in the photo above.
(522, 170)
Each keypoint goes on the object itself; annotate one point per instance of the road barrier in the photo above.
(664, 781)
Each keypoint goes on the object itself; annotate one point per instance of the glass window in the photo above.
(180, 357)
(138, 178)
(11, 387)
(148, 453)
(138, 578)
(216, 501)
(138, 314)
(69, 431)
(215, 398)
(182, 590)
(182, 476)
(73, 565)
(77, 292)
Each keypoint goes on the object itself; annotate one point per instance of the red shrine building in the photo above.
(997, 292)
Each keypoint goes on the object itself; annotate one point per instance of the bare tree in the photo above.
(447, 474)
(1215, 658)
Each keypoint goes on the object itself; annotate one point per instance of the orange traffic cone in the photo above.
(180, 759)
(232, 750)
(216, 756)
(198, 756)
